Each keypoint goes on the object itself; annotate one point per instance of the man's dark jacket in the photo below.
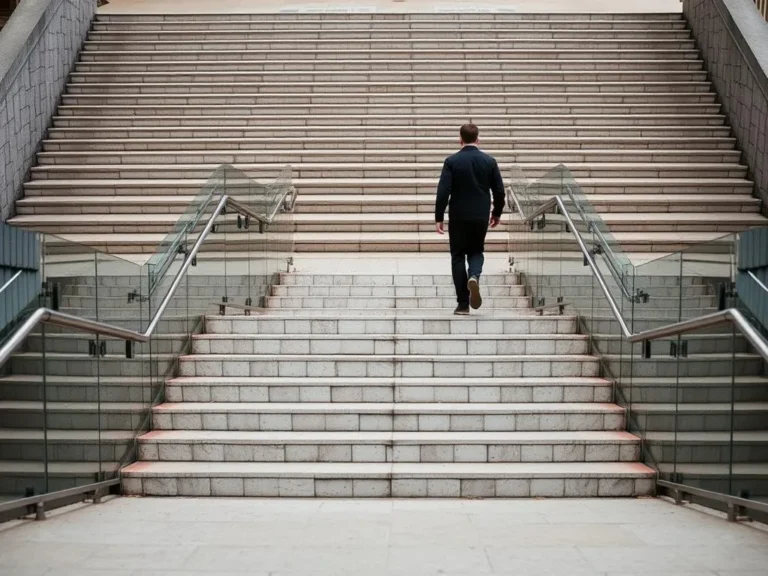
(466, 180)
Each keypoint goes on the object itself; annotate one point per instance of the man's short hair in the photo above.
(469, 133)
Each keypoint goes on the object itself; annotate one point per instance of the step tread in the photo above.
(373, 470)
(397, 381)
(204, 436)
(387, 408)
(390, 337)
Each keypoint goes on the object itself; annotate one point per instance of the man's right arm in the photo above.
(443, 192)
(497, 187)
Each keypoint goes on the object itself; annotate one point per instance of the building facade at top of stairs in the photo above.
(365, 107)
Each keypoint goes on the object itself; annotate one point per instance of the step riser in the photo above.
(375, 148)
(371, 170)
(530, 125)
(387, 303)
(387, 452)
(80, 82)
(436, 45)
(470, 325)
(372, 158)
(186, 392)
(350, 345)
(339, 487)
(700, 422)
(687, 367)
(386, 245)
(710, 394)
(66, 451)
(353, 37)
(444, 291)
(53, 188)
(86, 366)
(415, 18)
(77, 393)
(404, 100)
(384, 368)
(542, 109)
(387, 422)
(686, 453)
(384, 25)
(62, 420)
(75, 344)
(257, 53)
(153, 64)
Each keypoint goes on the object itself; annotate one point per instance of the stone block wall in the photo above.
(38, 48)
(733, 39)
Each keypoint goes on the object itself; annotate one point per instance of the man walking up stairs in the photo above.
(466, 183)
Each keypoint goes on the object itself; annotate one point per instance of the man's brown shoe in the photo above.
(475, 300)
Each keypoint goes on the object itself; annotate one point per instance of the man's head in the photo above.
(468, 134)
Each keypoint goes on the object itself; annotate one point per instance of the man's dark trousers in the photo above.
(467, 242)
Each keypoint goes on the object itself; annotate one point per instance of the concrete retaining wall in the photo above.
(38, 48)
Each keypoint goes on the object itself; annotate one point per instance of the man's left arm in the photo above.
(497, 187)
(443, 195)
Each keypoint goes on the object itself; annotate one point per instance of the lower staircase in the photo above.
(365, 386)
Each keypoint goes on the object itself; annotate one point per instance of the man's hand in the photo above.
(494, 221)
(440, 227)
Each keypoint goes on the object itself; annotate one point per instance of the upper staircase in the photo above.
(366, 107)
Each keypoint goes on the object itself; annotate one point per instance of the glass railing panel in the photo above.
(177, 241)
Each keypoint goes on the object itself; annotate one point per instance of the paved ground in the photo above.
(249, 6)
(226, 537)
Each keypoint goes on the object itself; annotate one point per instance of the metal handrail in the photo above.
(757, 281)
(11, 281)
(54, 317)
(730, 315)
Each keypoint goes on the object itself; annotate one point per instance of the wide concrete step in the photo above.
(355, 187)
(374, 242)
(581, 153)
(382, 64)
(72, 415)
(383, 417)
(310, 302)
(383, 365)
(96, 169)
(418, 281)
(214, 344)
(506, 146)
(383, 34)
(310, 24)
(58, 388)
(490, 289)
(412, 480)
(440, 324)
(367, 17)
(79, 82)
(401, 390)
(394, 203)
(404, 96)
(482, 447)
(252, 41)
(704, 417)
(708, 447)
(257, 53)
(64, 445)
(375, 111)
(330, 226)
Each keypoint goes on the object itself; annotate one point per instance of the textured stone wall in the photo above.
(733, 39)
(38, 48)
